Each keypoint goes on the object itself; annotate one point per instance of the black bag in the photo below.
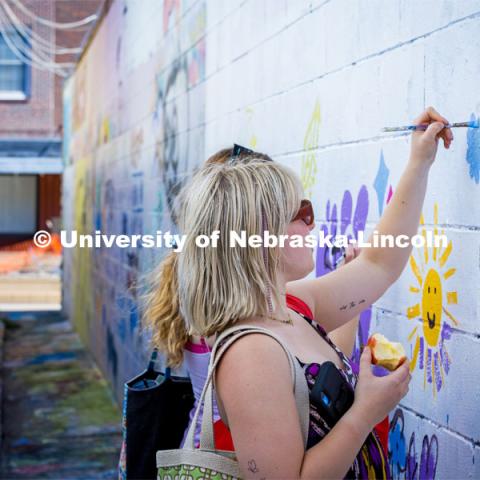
(156, 411)
(331, 393)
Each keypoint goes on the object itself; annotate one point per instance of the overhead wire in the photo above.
(19, 38)
(56, 25)
(22, 43)
(40, 41)
(31, 60)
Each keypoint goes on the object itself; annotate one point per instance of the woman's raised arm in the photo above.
(344, 293)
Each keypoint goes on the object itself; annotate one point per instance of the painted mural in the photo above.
(411, 458)
(308, 171)
(473, 151)
(166, 83)
(133, 137)
(430, 340)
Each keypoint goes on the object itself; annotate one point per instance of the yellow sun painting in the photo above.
(429, 339)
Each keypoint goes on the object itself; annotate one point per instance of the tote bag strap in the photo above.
(298, 377)
(206, 398)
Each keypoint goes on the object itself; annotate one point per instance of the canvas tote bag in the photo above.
(207, 462)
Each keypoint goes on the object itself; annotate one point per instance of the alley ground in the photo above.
(59, 419)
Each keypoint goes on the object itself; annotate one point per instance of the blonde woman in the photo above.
(224, 286)
(180, 346)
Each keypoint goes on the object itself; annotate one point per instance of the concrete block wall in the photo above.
(165, 84)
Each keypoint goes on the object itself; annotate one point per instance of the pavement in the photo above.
(59, 418)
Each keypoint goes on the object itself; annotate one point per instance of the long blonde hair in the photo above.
(219, 286)
(204, 290)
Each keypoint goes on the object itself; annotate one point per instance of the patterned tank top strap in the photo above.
(300, 307)
(301, 310)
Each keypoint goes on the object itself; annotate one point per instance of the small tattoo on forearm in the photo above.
(252, 466)
(352, 305)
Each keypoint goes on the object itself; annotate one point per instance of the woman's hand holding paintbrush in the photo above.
(425, 142)
(402, 214)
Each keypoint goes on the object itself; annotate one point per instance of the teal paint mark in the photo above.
(380, 183)
(473, 151)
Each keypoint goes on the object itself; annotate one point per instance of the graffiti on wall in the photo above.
(308, 169)
(404, 459)
(135, 133)
(174, 112)
(81, 280)
(433, 303)
(473, 151)
(380, 184)
(171, 119)
(348, 221)
(171, 14)
(252, 138)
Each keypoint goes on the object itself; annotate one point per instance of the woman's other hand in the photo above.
(375, 396)
(425, 143)
(351, 252)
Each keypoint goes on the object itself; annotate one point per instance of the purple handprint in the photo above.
(328, 256)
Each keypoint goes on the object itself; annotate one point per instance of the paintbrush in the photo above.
(341, 259)
(424, 126)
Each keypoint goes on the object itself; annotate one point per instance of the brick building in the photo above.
(31, 109)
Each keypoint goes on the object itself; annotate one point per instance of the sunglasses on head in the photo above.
(239, 150)
(305, 213)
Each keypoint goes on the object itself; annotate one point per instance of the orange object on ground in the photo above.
(19, 255)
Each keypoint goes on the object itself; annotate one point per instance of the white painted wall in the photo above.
(310, 83)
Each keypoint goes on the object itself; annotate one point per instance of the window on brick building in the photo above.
(14, 74)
